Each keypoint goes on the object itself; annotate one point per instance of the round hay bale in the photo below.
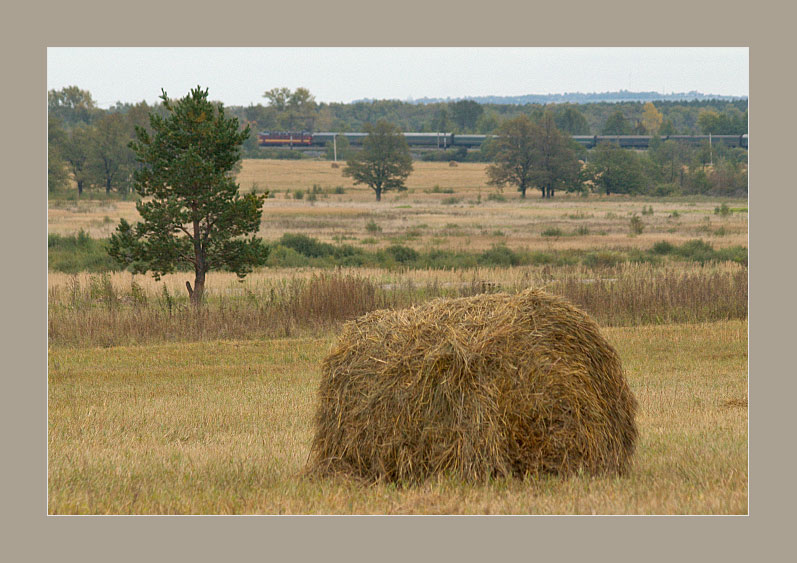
(477, 387)
(335, 165)
(453, 163)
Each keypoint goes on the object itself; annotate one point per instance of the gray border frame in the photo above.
(762, 26)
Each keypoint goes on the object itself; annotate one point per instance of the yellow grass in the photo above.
(225, 427)
(421, 219)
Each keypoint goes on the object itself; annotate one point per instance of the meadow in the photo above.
(224, 427)
(446, 208)
(156, 408)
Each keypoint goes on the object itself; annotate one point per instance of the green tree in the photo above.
(465, 114)
(556, 163)
(488, 122)
(667, 127)
(57, 173)
(278, 98)
(442, 120)
(513, 154)
(293, 110)
(75, 151)
(384, 162)
(617, 124)
(192, 214)
(110, 158)
(302, 109)
(528, 154)
(72, 106)
(569, 120)
(615, 170)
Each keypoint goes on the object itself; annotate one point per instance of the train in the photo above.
(455, 140)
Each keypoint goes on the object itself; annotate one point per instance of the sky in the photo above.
(239, 76)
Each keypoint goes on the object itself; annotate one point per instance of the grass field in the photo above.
(225, 427)
(156, 408)
(445, 208)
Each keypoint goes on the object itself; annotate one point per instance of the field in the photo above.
(444, 208)
(225, 427)
(155, 408)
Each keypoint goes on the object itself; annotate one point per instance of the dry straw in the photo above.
(476, 388)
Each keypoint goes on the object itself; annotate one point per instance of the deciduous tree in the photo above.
(192, 214)
(617, 124)
(110, 158)
(651, 118)
(384, 162)
(529, 154)
(465, 114)
(75, 151)
(615, 170)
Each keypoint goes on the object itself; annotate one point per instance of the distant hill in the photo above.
(580, 98)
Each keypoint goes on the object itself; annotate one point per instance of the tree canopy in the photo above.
(615, 170)
(384, 162)
(192, 214)
(529, 154)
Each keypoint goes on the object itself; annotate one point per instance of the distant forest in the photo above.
(88, 145)
(468, 116)
(583, 98)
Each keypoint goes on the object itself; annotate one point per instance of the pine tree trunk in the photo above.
(196, 293)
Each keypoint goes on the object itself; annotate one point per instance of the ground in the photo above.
(225, 427)
(155, 409)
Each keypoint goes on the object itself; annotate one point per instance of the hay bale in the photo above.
(453, 163)
(335, 165)
(477, 387)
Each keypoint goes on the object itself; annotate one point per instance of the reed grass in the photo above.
(121, 309)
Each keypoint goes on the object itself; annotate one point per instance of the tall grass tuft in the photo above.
(117, 309)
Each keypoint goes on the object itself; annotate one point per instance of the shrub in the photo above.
(635, 225)
(499, 255)
(372, 227)
(306, 245)
(662, 247)
(402, 254)
(722, 210)
(78, 253)
(552, 232)
(495, 196)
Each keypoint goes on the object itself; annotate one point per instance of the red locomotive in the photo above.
(284, 138)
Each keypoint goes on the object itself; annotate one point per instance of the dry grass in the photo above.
(120, 309)
(419, 218)
(475, 388)
(225, 427)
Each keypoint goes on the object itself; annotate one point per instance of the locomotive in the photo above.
(284, 138)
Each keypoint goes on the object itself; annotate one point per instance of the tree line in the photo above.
(287, 110)
(91, 146)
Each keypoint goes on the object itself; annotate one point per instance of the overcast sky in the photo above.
(239, 76)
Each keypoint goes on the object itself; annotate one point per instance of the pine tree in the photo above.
(192, 214)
